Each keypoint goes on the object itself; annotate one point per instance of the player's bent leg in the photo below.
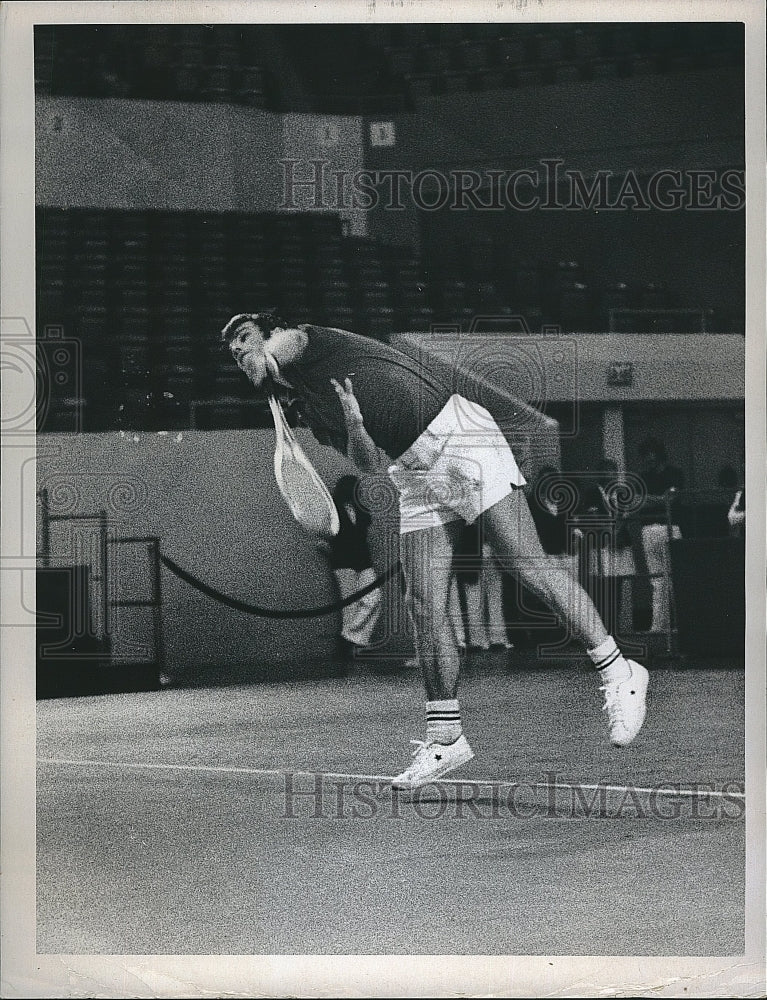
(427, 558)
(511, 532)
(427, 566)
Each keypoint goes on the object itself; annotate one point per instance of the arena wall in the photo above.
(137, 155)
(211, 498)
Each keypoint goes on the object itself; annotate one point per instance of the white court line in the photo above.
(462, 782)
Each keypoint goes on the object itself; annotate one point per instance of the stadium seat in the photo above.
(512, 51)
(331, 277)
(527, 285)
(586, 45)
(175, 298)
(435, 58)
(331, 302)
(527, 76)
(455, 82)
(549, 48)
(157, 57)
(370, 303)
(401, 60)
(421, 85)
(563, 274)
(91, 325)
(718, 57)
(224, 52)
(191, 55)
(371, 274)
(132, 298)
(330, 253)
(51, 299)
(419, 319)
(407, 273)
(381, 34)
(451, 33)
(679, 62)
(341, 317)
(617, 295)
(452, 294)
(293, 294)
(643, 65)
(474, 55)
(654, 295)
(492, 78)
(179, 351)
(185, 83)
(603, 69)
(289, 272)
(381, 322)
(43, 73)
(251, 86)
(574, 312)
(482, 295)
(566, 73)
(52, 269)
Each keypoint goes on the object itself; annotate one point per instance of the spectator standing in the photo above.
(612, 561)
(476, 593)
(659, 514)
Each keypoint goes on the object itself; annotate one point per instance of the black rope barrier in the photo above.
(253, 609)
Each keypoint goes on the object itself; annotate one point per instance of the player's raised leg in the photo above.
(427, 557)
(511, 532)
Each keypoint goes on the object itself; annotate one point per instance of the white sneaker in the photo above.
(625, 704)
(432, 761)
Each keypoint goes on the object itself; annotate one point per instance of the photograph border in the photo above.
(25, 973)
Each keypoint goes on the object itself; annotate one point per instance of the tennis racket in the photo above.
(298, 481)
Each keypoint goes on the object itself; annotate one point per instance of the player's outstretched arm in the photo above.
(361, 448)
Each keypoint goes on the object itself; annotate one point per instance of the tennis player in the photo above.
(452, 463)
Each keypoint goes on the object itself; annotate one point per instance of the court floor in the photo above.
(257, 820)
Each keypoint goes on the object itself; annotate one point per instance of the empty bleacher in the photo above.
(153, 62)
(361, 69)
(146, 292)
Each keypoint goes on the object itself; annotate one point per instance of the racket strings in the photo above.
(302, 488)
(305, 500)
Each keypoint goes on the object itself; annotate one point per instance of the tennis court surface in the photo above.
(254, 820)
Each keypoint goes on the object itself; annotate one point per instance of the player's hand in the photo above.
(349, 404)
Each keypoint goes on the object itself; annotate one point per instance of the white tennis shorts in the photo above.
(460, 466)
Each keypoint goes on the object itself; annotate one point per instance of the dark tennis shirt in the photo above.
(398, 396)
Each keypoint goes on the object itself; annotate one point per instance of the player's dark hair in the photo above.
(265, 321)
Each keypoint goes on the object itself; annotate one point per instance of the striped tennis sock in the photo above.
(609, 661)
(443, 721)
